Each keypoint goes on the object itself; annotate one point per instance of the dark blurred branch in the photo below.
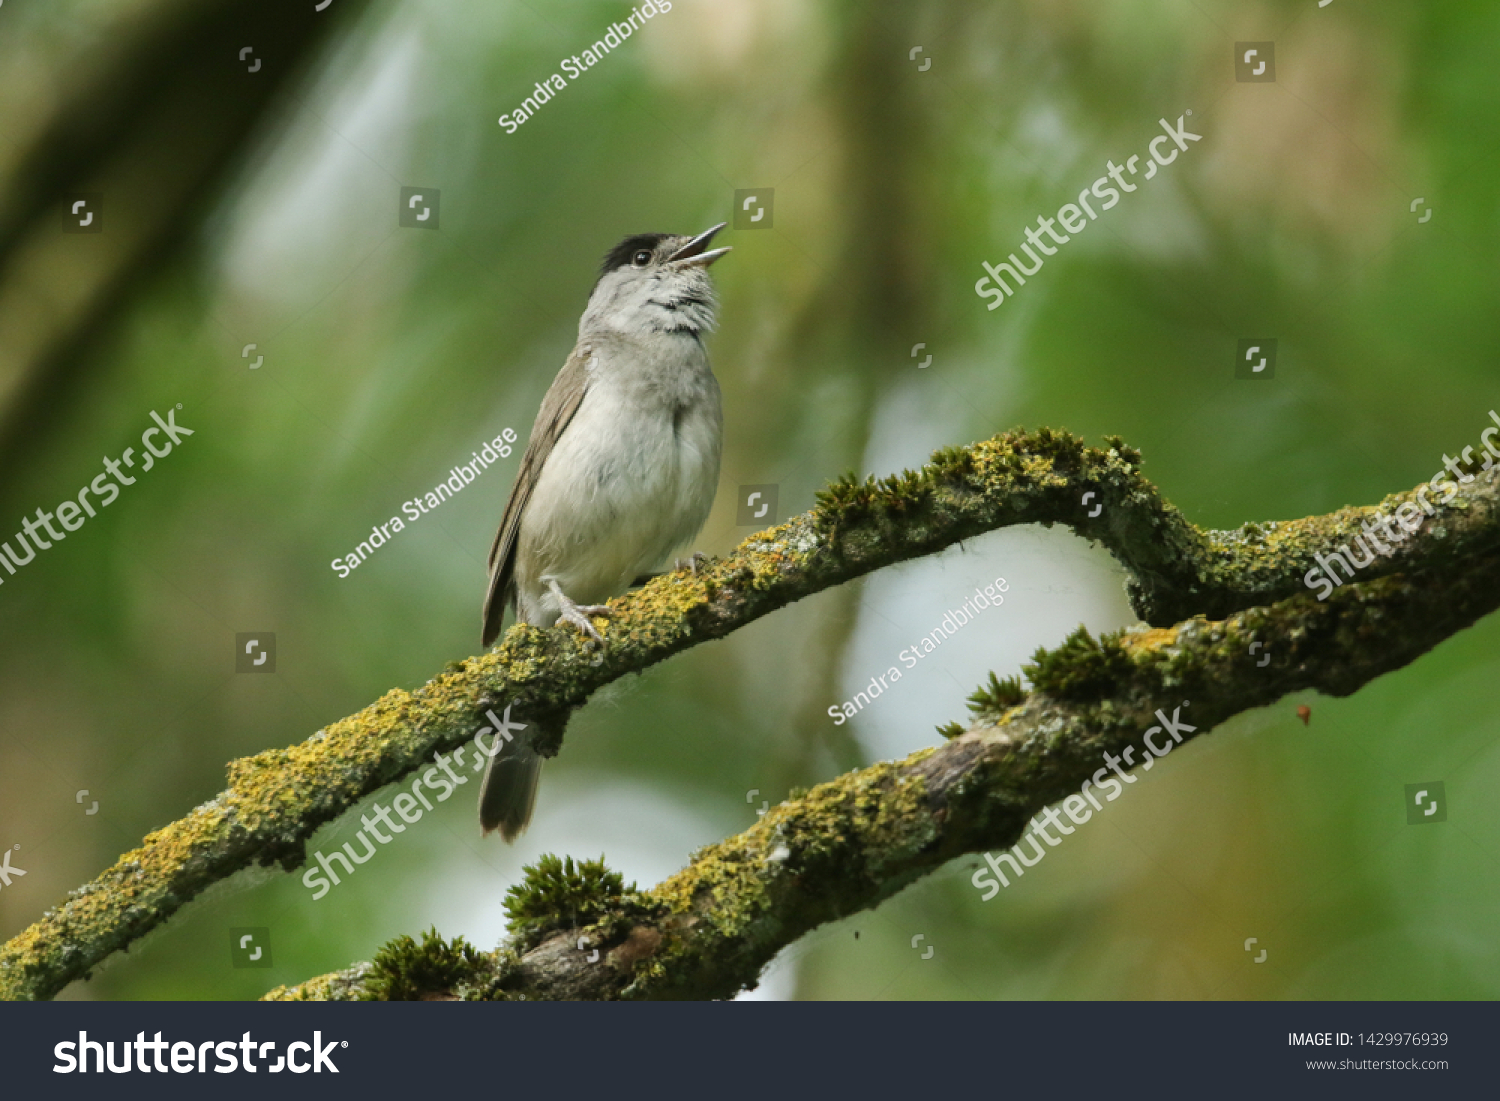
(277, 799)
(853, 842)
(154, 113)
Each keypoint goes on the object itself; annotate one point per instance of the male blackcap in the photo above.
(619, 473)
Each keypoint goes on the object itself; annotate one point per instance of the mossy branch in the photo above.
(276, 800)
(849, 844)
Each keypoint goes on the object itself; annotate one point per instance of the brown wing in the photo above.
(558, 407)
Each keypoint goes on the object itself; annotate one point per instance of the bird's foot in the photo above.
(579, 614)
(692, 563)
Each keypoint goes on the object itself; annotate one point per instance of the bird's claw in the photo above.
(578, 614)
(692, 562)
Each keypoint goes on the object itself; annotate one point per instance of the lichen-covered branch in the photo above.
(277, 799)
(851, 843)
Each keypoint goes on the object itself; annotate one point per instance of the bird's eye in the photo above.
(641, 258)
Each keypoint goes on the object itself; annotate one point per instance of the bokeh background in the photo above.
(261, 207)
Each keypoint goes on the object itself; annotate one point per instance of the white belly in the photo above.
(630, 482)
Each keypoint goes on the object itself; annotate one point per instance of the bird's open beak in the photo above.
(692, 254)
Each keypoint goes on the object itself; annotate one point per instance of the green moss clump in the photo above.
(991, 701)
(1130, 456)
(952, 464)
(899, 492)
(844, 494)
(951, 730)
(404, 970)
(848, 499)
(557, 894)
(1081, 669)
(1012, 445)
(1060, 446)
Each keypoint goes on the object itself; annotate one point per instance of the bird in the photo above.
(620, 471)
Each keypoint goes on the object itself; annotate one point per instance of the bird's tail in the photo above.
(508, 794)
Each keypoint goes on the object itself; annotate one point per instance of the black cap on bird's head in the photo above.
(627, 251)
(644, 249)
(658, 281)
